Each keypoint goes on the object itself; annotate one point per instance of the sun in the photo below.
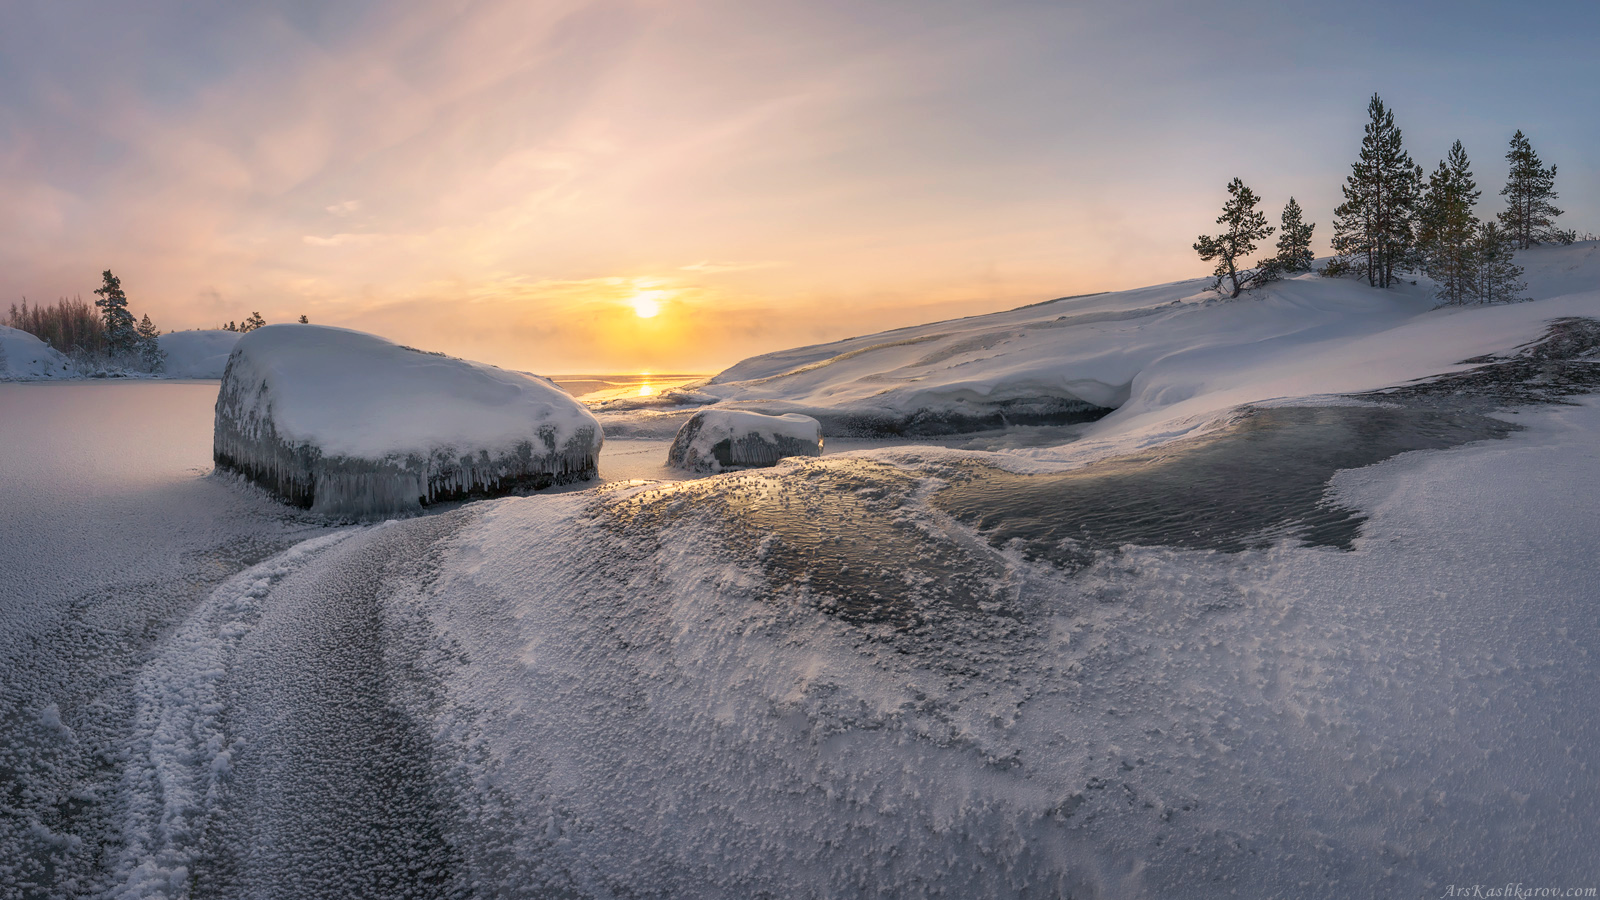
(646, 304)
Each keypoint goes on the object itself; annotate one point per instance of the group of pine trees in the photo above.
(248, 325)
(1393, 221)
(1245, 227)
(251, 324)
(109, 338)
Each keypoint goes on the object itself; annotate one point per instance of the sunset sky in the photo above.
(516, 181)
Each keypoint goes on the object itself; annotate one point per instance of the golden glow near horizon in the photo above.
(647, 304)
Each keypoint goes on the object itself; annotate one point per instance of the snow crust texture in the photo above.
(717, 439)
(24, 357)
(349, 424)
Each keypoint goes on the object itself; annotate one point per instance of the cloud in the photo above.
(712, 268)
(345, 239)
(345, 208)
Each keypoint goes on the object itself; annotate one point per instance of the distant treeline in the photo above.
(104, 340)
(103, 337)
(1394, 220)
(67, 325)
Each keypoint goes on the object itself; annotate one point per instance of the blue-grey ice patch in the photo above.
(350, 424)
(717, 439)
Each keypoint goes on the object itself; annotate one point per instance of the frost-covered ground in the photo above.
(1165, 653)
(110, 535)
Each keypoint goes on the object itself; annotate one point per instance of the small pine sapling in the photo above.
(1245, 226)
(1294, 241)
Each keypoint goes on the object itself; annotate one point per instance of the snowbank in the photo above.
(24, 357)
(1156, 360)
(197, 354)
(347, 423)
(716, 439)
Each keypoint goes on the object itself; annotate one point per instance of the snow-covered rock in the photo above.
(197, 354)
(717, 439)
(24, 357)
(347, 423)
(1148, 358)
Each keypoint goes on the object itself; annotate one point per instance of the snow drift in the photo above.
(197, 354)
(347, 423)
(717, 439)
(24, 357)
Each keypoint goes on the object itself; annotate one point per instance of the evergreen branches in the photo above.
(1529, 217)
(1374, 228)
(1245, 227)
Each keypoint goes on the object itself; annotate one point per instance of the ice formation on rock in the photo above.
(24, 357)
(348, 423)
(716, 439)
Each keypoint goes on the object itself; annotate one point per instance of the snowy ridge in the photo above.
(347, 423)
(1154, 361)
(24, 357)
(197, 354)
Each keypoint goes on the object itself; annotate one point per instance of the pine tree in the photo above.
(151, 356)
(304, 321)
(251, 324)
(1447, 228)
(1245, 227)
(121, 335)
(1373, 228)
(1294, 241)
(1529, 215)
(1496, 278)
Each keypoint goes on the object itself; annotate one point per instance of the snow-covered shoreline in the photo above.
(859, 675)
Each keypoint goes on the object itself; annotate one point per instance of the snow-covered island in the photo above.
(347, 423)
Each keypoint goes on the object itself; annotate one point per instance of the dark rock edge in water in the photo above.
(1266, 476)
(753, 449)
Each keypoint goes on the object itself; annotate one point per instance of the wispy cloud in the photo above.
(706, 267)
(377, 162)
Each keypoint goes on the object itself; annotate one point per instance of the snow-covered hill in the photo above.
(24, 357)
(1164, 358)
(197, 354)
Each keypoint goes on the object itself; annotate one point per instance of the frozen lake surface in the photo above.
(845, 677)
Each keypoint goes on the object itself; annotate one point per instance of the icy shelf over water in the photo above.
(350, 424)
(717, 439)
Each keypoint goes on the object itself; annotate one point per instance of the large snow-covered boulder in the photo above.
(347, 423)
(24, 357)
(197, 354)
(717, 439)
